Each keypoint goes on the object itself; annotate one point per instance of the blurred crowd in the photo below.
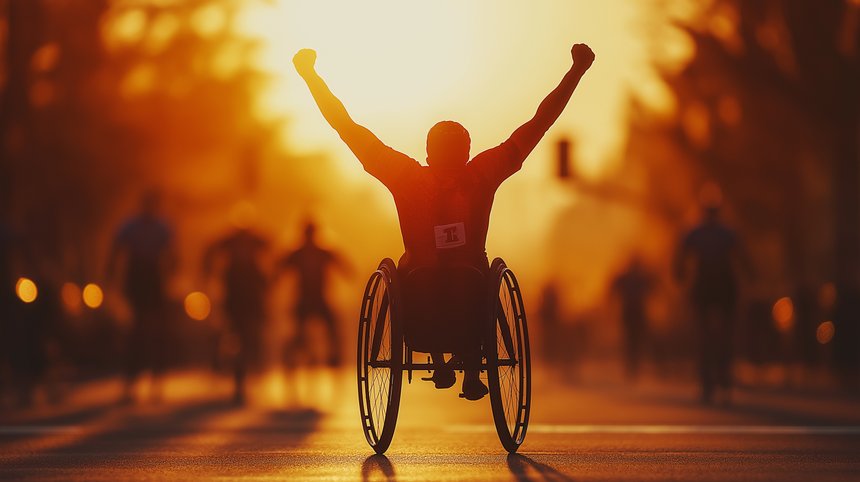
(54, 331)
(721, 319)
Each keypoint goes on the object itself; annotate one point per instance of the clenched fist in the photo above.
(583, 57)
(304, 61)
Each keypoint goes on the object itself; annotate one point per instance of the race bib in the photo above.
(450, 235)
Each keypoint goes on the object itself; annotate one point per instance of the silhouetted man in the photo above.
(707, 260)
(444, 208)
(146, 243)
(311, 264)
(245, 289)
(633, 286)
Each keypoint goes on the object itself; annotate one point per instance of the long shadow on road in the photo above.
(525, 469)
(187, 437)
(522, 468)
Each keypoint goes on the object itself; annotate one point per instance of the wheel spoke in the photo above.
(381, 316)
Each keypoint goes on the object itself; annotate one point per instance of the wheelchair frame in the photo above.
(506, 357)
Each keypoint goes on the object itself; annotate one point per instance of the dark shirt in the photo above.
(146, 242)
(243, 276)
(713, 247)
(633, 287)
(311, 263)
(444, 213)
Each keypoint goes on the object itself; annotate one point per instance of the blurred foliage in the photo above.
(103, 99)
(768, 108)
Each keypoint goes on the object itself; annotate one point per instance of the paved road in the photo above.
(596, 432)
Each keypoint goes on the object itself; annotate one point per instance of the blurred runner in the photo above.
(144, 246)
(707, 262)
(245, 289)
(633, 286)
(9, 306)
(312, 263)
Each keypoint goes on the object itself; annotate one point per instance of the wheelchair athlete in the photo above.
(444, 207)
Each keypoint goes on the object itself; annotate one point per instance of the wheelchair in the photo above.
(387, 340)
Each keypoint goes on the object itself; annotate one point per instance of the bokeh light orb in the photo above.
(26, 290)
(197, 306)
(825, 332)
(783, 314)
(93, 295)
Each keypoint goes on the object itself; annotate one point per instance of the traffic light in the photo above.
(564, 167)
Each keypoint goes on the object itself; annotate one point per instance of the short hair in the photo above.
(448, 144)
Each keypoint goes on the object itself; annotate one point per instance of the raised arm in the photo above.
(529, 134)
(360, 140)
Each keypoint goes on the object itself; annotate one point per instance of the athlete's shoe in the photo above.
(443, 377)
(474, 389)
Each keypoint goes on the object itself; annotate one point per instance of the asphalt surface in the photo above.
(599, 431)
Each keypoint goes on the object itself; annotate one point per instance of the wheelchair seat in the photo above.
(444, 308)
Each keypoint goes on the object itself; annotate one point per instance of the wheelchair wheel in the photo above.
(508, 358)
(380, 357)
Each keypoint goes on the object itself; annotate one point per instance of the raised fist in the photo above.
(304, 60)
(583, 57)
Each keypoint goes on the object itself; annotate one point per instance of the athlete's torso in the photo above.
(444, 216)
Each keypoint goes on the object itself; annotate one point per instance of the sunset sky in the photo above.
(402, 66)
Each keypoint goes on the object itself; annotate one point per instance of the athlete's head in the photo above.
(448, 145)
(711, 200)
(310, 230)
(150, 202)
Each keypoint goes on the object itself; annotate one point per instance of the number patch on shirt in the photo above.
(450, 235)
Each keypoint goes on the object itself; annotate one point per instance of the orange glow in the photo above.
(139, 80)
(26, 290)
(783, 314)
(827, 296)
(93, 295)
(197, 306)
(46, 57)
(243, 215)
(70, 293)
(825, 332)
(208, 20)
(125, 28)
(42, 93)
(164, 27)
(227, 61)
(696, 121)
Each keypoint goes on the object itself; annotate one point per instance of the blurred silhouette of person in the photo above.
(245, 289)
(707, 261)
(312, 264)
(549, 315)
(28, 330)
(444, 208)
(7, 301)
(633, 285)
(144, 245)
(846, 317)
(9, 305)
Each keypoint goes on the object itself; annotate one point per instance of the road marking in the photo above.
(37, 429)
(675, 429)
